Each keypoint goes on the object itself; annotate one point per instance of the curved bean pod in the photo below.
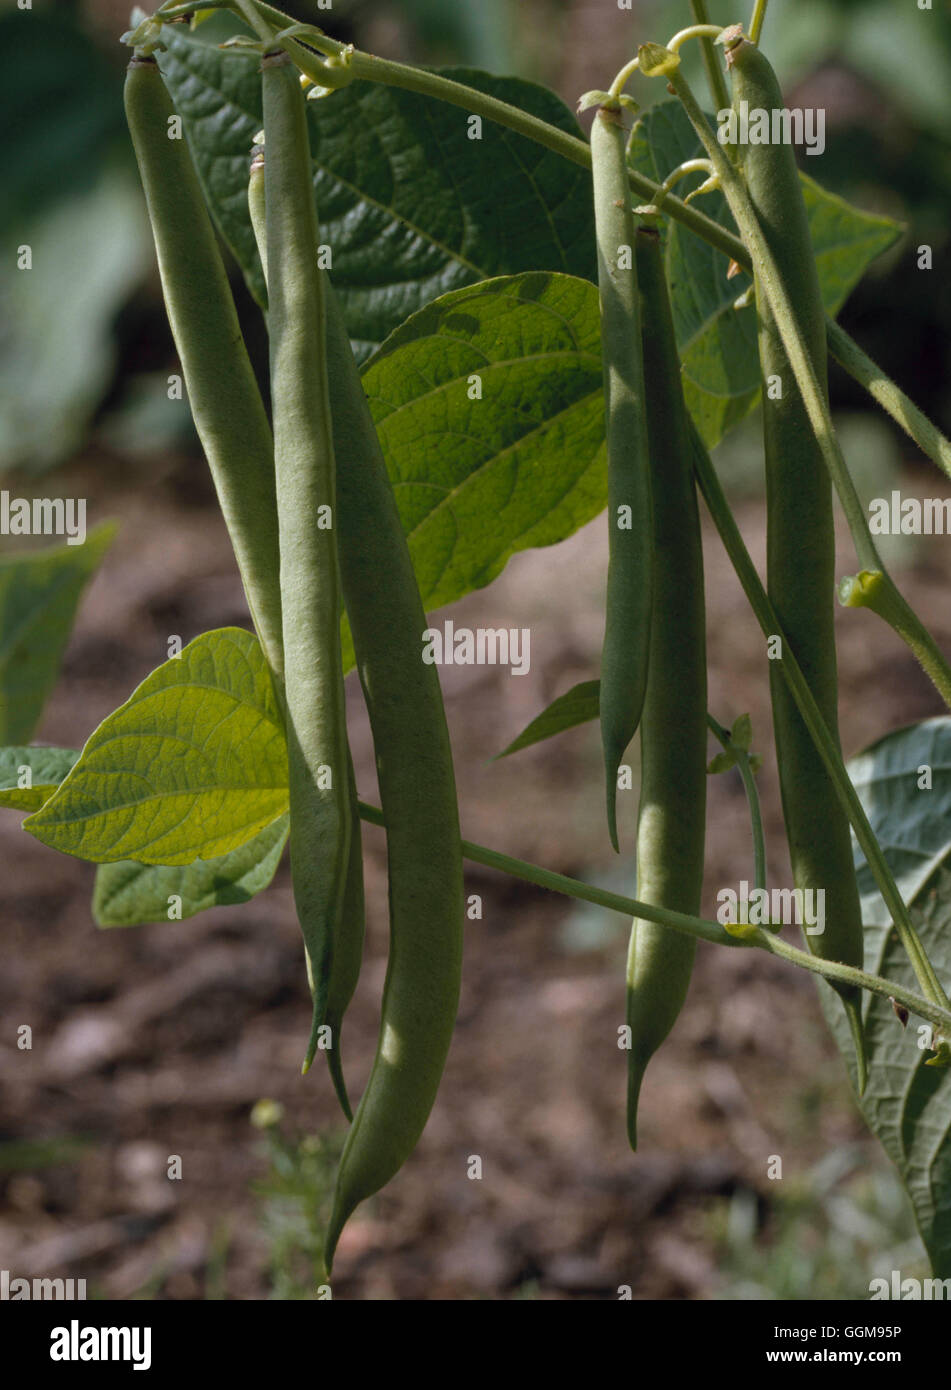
(223, 394)
(418, 795)
(347, 954)
(672, 817)
(417, 790)
(318, 754)
(800, 543)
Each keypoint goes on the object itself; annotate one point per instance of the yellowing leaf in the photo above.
(192, 766)
(42, 768)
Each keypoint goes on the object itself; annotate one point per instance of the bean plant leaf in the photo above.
(128, 894)
(718, 342)
(489, 408)
(192, 766)
(30, 776)
(577, 706)
(410, 203)
(39, 594)
(904, 782)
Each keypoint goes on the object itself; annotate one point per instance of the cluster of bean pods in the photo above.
(653, 666)
(316, 531)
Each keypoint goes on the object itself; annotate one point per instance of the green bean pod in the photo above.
(624, 655)
(672, 816)
(318, 755)
(800, 543)
(223, 394)
(417, 791)
(347, 954)
(418, 796)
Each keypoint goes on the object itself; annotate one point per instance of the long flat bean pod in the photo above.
(627, 622)
(672, 816)
(318, 756)
(800, 541)
(222, 391)
(417, 789)
(418, 795)
(347, 953)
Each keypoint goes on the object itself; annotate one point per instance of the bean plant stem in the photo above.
(711, 61)
(698, 927)
(889, 396)
(693, 31)
(752, 796)
(756, 23)
(251, 15)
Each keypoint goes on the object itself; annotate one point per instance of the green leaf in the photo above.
(128, 894)
(478, 479)
(411, 206)
(192, 766)
(39, 594)
(717, 342)
(907, 1104)
(721, 762)
(577, 706)
(42, 769)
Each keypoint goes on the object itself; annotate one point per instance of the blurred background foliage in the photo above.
(84, 349)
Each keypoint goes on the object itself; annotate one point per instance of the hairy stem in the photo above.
(698, 927)
(711, 60)
(756, 23)
(874, 590)
(251, 15)
(889, 396)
